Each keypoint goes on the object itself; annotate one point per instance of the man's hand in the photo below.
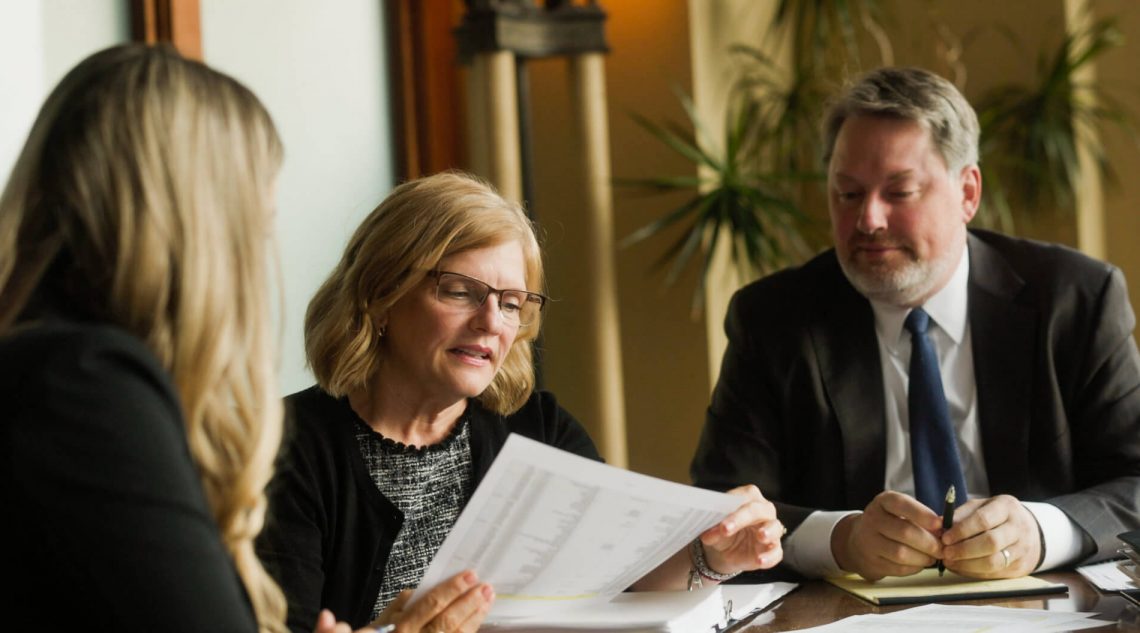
(983, 530)
(894, 536)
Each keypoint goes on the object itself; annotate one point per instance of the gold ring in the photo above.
(1006, 556)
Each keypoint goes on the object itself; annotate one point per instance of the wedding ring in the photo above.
(1006, 556)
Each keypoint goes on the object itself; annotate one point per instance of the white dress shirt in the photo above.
(808, 549)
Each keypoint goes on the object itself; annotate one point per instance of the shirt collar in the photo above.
(947, 307)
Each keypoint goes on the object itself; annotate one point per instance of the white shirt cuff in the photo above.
(807, 550)
(1062, 539)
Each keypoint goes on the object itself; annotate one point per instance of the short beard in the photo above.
(907, 286)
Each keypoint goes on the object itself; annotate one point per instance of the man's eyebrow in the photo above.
(898, 175)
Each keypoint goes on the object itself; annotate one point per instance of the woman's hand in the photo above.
(326, 623)
(747, 539)
(457, 605)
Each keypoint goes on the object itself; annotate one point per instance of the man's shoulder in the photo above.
(1037, 263)
(816, 280)
(804, 281)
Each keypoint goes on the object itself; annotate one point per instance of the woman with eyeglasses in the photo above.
(421, 343)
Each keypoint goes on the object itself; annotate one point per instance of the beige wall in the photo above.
(989, 58)
(1122, 202)
(663, 349)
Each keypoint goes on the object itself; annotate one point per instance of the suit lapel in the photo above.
(1003, 331)
(844, 342)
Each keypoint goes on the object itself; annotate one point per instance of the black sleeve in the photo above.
(566, 432)
(292, 544)
(742, 440)
(112, 521)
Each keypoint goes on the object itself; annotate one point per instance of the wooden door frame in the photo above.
(426, 95)
(178, 22)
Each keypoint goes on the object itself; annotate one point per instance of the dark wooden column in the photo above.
(427, 102)
(178, 22)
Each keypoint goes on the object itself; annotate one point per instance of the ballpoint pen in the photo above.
(947, 519)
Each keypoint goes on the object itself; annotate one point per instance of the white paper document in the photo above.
(701, 611)
(1107, 576)
(941, 618)
(550, 530)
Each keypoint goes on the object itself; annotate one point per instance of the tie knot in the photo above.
(917, 321)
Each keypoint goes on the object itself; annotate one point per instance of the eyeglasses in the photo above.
(518, 307)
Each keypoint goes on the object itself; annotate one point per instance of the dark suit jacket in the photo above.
(798, 409)
(105, 522)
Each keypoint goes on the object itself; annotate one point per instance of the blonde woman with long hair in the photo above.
(140, 418)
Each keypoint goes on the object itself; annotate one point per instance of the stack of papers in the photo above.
(1122, 576)
(1131, 566)
(1109, 575)
(641, 612)
(703, 610)
(936, 618)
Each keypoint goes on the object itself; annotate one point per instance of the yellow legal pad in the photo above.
(927, 586)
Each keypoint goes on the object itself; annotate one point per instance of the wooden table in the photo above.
(817, 602)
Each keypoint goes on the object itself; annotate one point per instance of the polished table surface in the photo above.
(817, 602)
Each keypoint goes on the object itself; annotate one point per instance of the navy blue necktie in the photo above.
(933, 445)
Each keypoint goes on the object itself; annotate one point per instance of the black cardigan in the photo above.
(330, 530)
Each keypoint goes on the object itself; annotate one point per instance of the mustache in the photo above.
(864, 241)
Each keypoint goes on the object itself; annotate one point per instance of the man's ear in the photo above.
(970, 180)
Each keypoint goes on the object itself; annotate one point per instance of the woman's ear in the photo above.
(379, 319)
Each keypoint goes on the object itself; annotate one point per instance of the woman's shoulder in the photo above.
(540, 409)
(66, 361)
(542, 418)
(63, 343)
(314, 418)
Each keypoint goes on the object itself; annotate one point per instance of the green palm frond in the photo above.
(1032, 134)
(734, 196)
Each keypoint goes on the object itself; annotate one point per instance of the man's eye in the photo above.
(848, 196)
(902, 195)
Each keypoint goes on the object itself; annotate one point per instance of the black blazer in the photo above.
(798, 409)
(105, 522)
(330, 530)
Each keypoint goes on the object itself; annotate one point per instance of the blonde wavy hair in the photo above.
(143, 198)
(417, 225)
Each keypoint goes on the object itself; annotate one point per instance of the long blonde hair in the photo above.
(417, 225)
(143, 198)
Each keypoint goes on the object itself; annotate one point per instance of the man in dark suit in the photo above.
(840, 375)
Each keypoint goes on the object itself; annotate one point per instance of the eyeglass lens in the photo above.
(516, 306)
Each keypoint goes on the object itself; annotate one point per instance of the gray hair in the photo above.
(915, 94)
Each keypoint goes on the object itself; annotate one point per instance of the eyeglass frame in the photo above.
(533, 297)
